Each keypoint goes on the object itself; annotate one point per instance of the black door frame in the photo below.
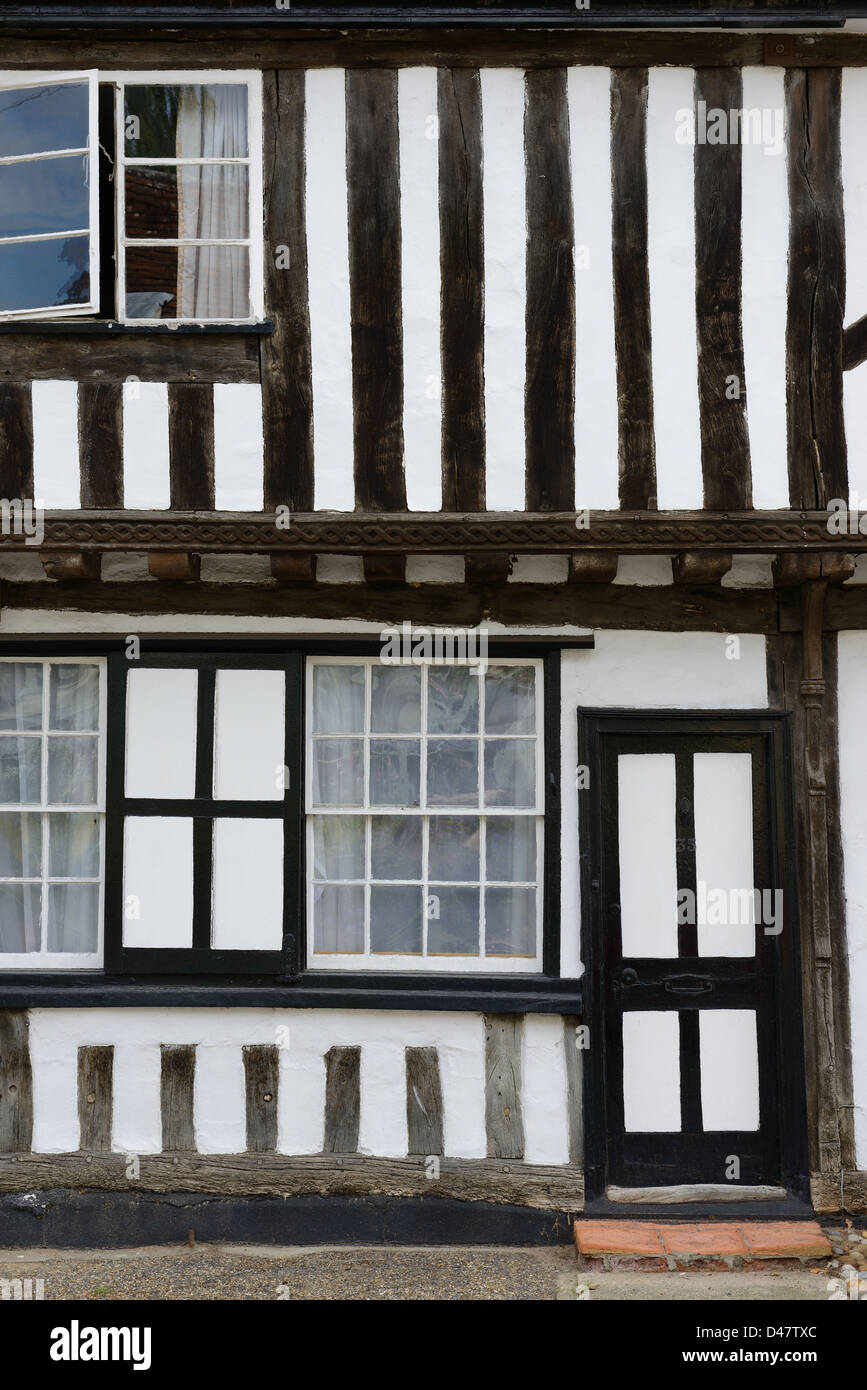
(775, 729)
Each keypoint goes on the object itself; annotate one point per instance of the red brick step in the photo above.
(703, 1245)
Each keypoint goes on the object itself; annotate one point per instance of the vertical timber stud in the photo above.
(424, 1101)
(261, 1074)
(725, 448)
(287, 391)
(342, 1100)
(16, 1083)
(632, 286)
(504, 1122)
(373, 179)
(16, 440)
(550, 327)
(100, 444)
(177, 1083)
(95, 1087)
(816, 289)
(191, 446)
(462, 262)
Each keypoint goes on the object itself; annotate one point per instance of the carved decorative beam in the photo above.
(445, 533)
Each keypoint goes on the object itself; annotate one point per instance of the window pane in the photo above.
(453, 922)
(189, 122)
(395, 846)
(73, 846)
(72, 771)
(20, 695)
(196, 282)
(73, 910)
(510, 772)
(396, 921)
(338, 699)
(453, 772)
(338, 919)
(45, 274)
(395, 772)
(510, 921)
(44, 195)
(34, 119)
(338, 772)
(20, 908)
(338, 847)
(396, 700)
(511, 849)
(74, 698)
(20, 770)
(453, 700)
(20, 845)
(210, 201)
(454, 848)
(510, 700)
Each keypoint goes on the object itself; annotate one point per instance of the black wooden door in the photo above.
(695, 1070)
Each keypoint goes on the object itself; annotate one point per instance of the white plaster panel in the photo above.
(249, 735)
(161, 732)
(543, 1061)
(248, 885)
(648, 867)
(158, 881)
(239, 478)
(651, 1072)
(723, 808)
(220, 1099)
(56, 472)
(765, 256)
(596, 413)
(853, 122)
(146, 477)
(137, 1121)
(383, 1098)
(729, 1058)
(420, 271)
(671, 259)
(505, 240)
(852, 678)
(328, 289)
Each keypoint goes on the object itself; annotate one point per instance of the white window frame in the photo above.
(66, 960)
(368, 961)
(13, 80)
(252, 78)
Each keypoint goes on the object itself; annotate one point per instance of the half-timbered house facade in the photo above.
(433, 617)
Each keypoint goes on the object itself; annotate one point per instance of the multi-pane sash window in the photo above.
(49, 253)
(425, 815)
(189, 198)
(52, 717)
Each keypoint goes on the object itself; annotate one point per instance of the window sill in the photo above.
(110, 328)
(503, 994)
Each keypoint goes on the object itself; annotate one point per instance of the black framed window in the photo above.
(204, 777)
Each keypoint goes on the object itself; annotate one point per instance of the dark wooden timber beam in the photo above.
(701, 567)
(107, 43)
(443, 533)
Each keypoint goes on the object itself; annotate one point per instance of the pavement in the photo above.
(381, 1273)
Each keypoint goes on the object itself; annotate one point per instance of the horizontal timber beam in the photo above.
(261, 1174)
(440, 533)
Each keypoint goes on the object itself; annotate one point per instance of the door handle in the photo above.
(688, 984)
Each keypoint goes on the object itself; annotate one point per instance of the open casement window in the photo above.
(425, 815)
(52, 803)
(204, 779)
(189, 197)
(49, 195)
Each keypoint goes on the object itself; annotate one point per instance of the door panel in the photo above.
(691, 940)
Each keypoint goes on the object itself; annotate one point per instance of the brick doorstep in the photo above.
(655, 1246)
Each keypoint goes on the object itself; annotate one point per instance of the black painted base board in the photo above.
(60, 1218)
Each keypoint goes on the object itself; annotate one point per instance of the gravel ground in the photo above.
(213, 1273)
